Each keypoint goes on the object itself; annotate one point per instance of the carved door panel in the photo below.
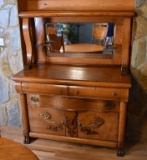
(98, 125)
(46, 120)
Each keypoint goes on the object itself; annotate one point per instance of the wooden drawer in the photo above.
(75, 104)
(98, 125)
(72, 104)
(95, 92)
(44, 88)
(46, 120)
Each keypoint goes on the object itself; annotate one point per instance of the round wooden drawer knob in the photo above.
(114, 94)
(60, 91)
(76, 92)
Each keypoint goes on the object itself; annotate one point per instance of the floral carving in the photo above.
(95, 123)
(72, 126)
(54, 126)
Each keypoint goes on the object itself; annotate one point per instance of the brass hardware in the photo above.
(43, 85)
(45, 115)
(94, 88)
(62, 122)
(60, 91)
(114, 94)
(109, 104)
(79, 124)
(34, 99)
(55, 126)
(76, 92)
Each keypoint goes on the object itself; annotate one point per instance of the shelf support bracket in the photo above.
(27, 40)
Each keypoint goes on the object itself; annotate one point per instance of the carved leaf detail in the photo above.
(95, 123)
(54, 126)
(71, 126)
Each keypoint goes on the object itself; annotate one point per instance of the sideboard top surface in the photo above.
(74, 75)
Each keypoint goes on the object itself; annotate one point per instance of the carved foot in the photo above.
(120, 152)
(26, 140)
(27, 66)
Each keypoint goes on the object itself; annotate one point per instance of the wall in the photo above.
(137, 107)
(11, 63)
(139, 56)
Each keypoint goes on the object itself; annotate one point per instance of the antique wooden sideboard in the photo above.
(77, 97)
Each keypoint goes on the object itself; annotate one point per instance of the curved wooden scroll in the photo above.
(27, 39)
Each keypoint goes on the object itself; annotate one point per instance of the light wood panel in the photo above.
(126, 41)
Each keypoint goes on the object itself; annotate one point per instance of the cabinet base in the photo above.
(28, 139)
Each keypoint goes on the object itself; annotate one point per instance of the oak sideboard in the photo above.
(75, 97)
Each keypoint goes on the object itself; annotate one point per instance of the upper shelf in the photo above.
(43, 8)
(45, 14)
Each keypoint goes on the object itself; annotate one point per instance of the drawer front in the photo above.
(46, 120)
(72, 104)
(95, 92)
(44, 88)
(98, 125)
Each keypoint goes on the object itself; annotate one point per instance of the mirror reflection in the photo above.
(79, 37)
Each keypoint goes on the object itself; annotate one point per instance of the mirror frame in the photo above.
(115, 58)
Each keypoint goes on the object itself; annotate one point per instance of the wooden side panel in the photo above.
(118, 38)
(119, 33)
(76, 5)
(126, 40)
(40, 39)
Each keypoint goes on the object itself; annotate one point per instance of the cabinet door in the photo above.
(98, 125)
(46, 120)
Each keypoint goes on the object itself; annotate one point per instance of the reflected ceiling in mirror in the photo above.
(81, 38)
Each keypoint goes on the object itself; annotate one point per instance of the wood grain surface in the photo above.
(10, 150)
(66, 5)
(79, 75)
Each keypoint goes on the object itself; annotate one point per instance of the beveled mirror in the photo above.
(81, 38)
